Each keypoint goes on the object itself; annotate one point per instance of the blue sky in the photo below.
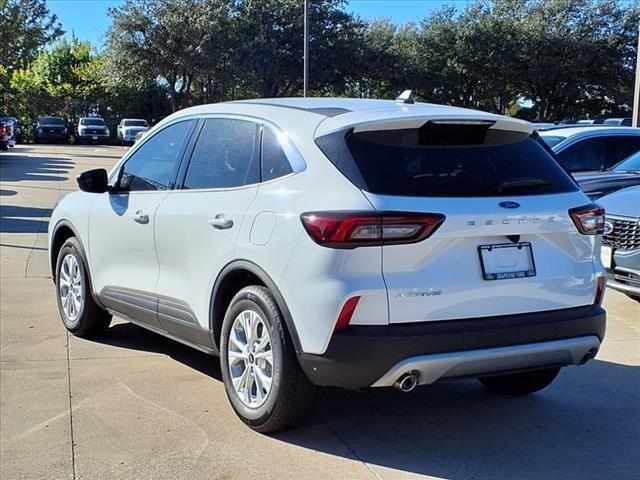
(88, 19)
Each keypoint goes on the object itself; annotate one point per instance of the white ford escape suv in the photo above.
(338, 242)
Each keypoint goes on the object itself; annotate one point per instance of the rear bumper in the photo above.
(363, 356)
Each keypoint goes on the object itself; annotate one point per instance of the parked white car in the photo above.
(129, 128)
(341, 242)
(92, 130)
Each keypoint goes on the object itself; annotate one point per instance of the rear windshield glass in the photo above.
(135, 123)
(51, 121)
(451, 161)
(92, 121)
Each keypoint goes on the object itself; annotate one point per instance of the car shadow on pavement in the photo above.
(16, 168)
(128, 335)
(585, 425)
(19, 219)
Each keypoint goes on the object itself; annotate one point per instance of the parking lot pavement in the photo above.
(134, 405)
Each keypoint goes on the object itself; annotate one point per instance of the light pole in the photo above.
(635, 121)
(305, 76)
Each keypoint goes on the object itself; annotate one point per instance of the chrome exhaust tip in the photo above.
(407, 382)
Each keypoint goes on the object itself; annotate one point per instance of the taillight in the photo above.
(358, 229)
(589, 219)
(600, 288)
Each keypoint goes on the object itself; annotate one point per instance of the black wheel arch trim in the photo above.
(69, 225)
(268, 282)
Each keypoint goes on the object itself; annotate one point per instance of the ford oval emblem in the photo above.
(509, 204)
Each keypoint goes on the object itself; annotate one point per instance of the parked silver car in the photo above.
(621, 241)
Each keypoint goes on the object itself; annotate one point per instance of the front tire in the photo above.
(524, 383)
(262, 377)
(79, 312)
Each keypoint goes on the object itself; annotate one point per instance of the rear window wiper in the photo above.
(524, 182)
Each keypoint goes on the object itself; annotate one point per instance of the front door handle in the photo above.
(141, 217)
(220, 222)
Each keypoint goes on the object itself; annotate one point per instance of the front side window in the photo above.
(275, 163)
(153, 166)
(620, 147)
(226, 155)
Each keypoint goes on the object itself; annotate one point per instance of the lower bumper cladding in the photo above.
(365, 356)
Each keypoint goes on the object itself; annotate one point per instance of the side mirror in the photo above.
(93, 181)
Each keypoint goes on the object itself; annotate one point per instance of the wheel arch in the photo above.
(231, 279)
(64, 230)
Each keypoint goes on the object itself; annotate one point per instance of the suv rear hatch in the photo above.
(508, 244)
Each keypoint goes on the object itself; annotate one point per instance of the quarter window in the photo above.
(225, 155)
(274, 161)
(153, 166)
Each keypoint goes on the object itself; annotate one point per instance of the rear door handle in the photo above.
(141, 217)
(220, 222)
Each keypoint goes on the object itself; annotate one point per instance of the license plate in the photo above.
(95, 137)
(506, 261)
(606, 256)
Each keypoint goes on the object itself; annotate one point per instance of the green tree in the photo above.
(171, 41)
(68, 79)
(25, 27)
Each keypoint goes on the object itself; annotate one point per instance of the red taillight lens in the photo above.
(589, 219)
(346, 313)
(600, 288)
(357, 229)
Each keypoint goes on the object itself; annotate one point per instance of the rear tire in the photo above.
(523, 383)
(285, 393)
(79, 312)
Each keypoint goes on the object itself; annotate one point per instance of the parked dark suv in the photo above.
(51, 129)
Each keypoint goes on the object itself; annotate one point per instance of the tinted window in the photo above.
(95, 122)
(588, 154)
(621, 147)
(134, 123)
(446, 162)
(153, 165)
(274, 161)
(51, 121)
(225, 155)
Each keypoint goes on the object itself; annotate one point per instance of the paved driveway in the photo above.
(136, 406)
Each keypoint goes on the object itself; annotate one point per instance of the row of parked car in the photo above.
(49, 129)
(88, 130)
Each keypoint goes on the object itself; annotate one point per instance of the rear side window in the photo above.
(446, 161)
(274, 161)
(226, 155)
(585, 155)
